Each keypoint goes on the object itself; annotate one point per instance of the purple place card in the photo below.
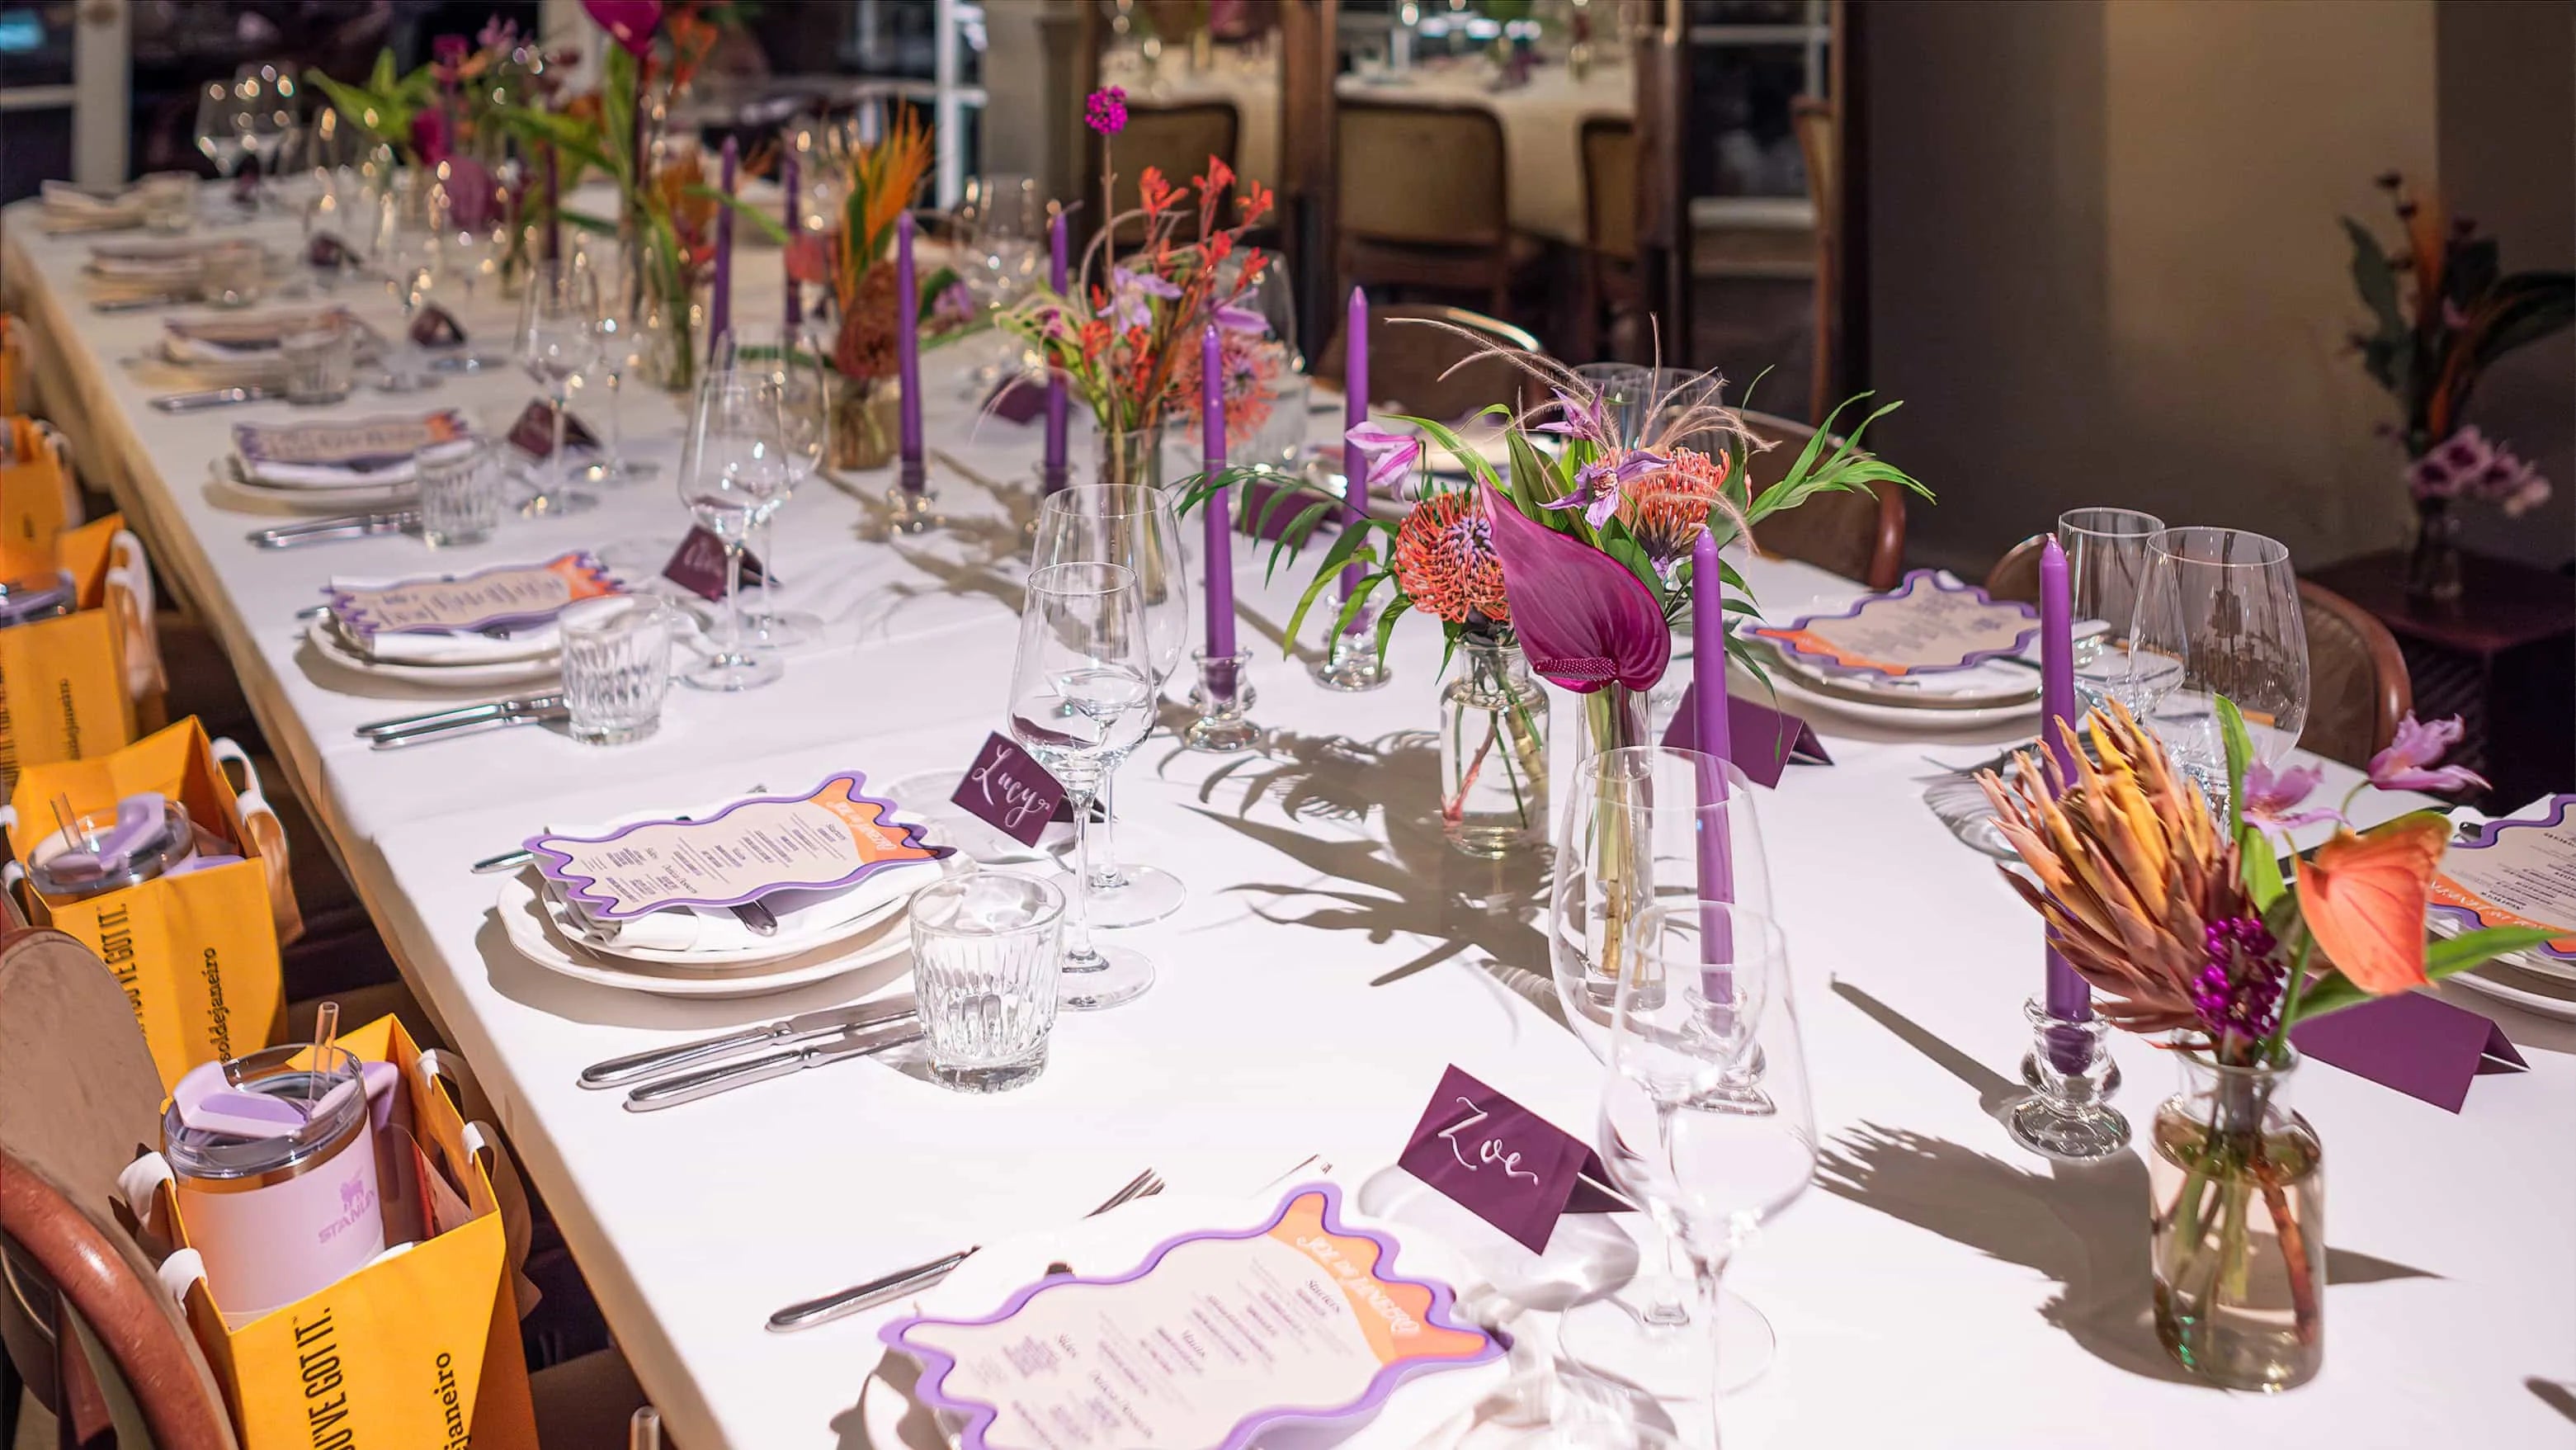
(1765, 740)
(534, 433)
(1009, 791)
(698, 565)
(1504, 1163)
(1016, 400)
(2418, 1044)
(435, 326)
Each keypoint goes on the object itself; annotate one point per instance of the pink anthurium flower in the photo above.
(2407, 763)
(1390, 455)
(630, 23)
(1583, 619)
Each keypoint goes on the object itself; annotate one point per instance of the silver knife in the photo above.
(803, 1027)
(210, 398)
(457, 715)
(429, 733)
(349, 526)
(688, 1087)
(869, 1295)
(144, 303)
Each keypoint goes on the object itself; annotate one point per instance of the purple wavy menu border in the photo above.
(556, 866)
(354, 619)
(979, 1416)
(1771, 633)
(2480, 837)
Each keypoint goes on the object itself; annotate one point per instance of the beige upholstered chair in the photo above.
(1857, 536)
(1609, 147)
(1408, 360)
(1175, 139)
(1424, 200)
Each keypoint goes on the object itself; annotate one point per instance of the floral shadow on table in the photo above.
(2082, 1225)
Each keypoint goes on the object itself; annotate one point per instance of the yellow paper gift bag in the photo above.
(420, 1348)
(37, 500)
(79, 684)
(13, 364)
(197, 952)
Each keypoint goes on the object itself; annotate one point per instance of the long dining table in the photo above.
(1937, 1284)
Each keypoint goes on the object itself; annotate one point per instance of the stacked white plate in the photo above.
(2539, 979)
(233, 351)
(520, 655)
(315, 466)
(1997, 690)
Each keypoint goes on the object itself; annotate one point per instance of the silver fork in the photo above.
(921, 1276)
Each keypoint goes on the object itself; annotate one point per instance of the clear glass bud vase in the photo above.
(2239, 1193)
(1493, 751)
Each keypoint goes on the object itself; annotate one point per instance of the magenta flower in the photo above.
(1390, 456)
(2273, 798)
(429, 135)
(630, 23)
(1600, 484)
(1105, 110)
(2407, 763)
(1583, 619)
(447, 57)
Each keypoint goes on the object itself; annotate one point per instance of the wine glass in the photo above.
(1634, 824)
(794, 366)
(733, 470)
(223, 127)
(265, 112)
(556, 346)
(2106, 563)
(1705, 1117)
(1278, 443)
(2218, 615)
(1004, 220)
(1082, 696)
(622, 331)
(1135, 527)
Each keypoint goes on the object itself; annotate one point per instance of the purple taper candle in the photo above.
(1053, 473)
(795, 229)
(720, 308)
(2069, 999)
(1708, 719)
(554, 207)
(1355, 395)
(907, 354)
(1219, 516)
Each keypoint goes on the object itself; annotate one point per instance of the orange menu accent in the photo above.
(1394, 1316)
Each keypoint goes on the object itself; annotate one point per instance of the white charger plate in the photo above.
(1798, 699)
(228, 472)
(525, 922)
(327, 643)
(771, 949)
(1119, 1240)
(2544, 994)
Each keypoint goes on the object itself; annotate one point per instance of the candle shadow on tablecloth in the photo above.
(2082, 1225)
(1399, 879)
(2556, 1396)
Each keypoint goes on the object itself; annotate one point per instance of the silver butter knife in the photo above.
(459, 729)
(803, 1027)
(348, 526)
(210, 398)
(458, 715)
(688, 1087)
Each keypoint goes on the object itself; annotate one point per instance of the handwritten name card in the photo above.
(1009, 791)
(698, 565)
(1504, 1163)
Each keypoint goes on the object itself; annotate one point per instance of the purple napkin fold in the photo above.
(1765, 740)
(2418, 1044)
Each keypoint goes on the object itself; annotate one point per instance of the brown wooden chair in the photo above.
(2358, 687)
(1423, 199)
(1814, 120)
(1857, 536)
(1175, 139)
(1609, 148)
(1409, 362)
(2015, 576)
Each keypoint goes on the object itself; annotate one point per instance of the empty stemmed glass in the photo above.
(2107, 552)
(267, 112)
(733, 470)
(1705, 1117)
(1135, 527)
(2219, 615)
(1001, 223)
(556, 346)
(1082, 697)
(223, 127)
(795, 368)
(620, 327)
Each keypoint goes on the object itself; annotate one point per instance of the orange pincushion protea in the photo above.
(1445, 560)
(1666, 509)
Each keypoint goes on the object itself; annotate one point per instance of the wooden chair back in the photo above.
(1429, 176)
(1409, 363)
(2358, 686)
(1176, 140)
(1814, 120)
(1610, 187)
(2015, 576)
(1859, 536)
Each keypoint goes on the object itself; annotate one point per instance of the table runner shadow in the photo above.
(2085, 1226)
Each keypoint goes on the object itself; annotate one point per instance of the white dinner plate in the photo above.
(327, 642)
(2548, 995)
(1798, 699)
(524, 920)
(770, 949)
(1118, 1241)
(1997, 686)
(357, 498)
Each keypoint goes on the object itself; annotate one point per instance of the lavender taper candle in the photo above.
(1355, 395)
(795, 229)
(1218, 511)
(720, 306)
(1052, 468)
(2069, 999)
(907, 356)
(1708, 719)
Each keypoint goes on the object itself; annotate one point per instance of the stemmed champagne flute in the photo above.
(1705, 1117)
(795, 368)
(2107, 552)
(2219, 615)
(1632, 834)
(556, 346)
(1135, 527)
(1082, 696)
(733, 470)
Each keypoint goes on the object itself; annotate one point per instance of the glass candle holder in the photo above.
(1351, 663)
(2071, 1078)
(460, 491)
(1224, 692)
(616, 667)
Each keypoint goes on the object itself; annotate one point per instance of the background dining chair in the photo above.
(1176, 139)
(1859, 536)
(1423, 200)
(1609, 280)
(1814, 120)
(1409, 363)
(2015, 576)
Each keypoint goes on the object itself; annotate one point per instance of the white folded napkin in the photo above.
(323, 475)
(814, 916)
(526, 642)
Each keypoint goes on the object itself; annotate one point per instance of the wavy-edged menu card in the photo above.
(1218, 1338)
(2519, 871)
(463, 603)
(366, 445)
(1927, 625)
(828, 839)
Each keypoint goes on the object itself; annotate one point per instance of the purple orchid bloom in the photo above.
(429, 136)
(1390, 455)
(1600, 484)
(2407, 763)
(1579, 415)
(1127, 294)
(630, 23)
(1583, 619)
(1240, 319)
(2272, 798)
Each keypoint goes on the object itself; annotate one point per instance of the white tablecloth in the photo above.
(1941, 1286)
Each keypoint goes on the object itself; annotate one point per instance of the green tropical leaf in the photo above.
(1475, 465)
(2445, 958)
(2240, 750)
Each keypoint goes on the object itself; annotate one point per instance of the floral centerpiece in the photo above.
(2443, 311)
(1125, 332)
(2188, 929)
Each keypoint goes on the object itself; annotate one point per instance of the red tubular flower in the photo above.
(1445, 560)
